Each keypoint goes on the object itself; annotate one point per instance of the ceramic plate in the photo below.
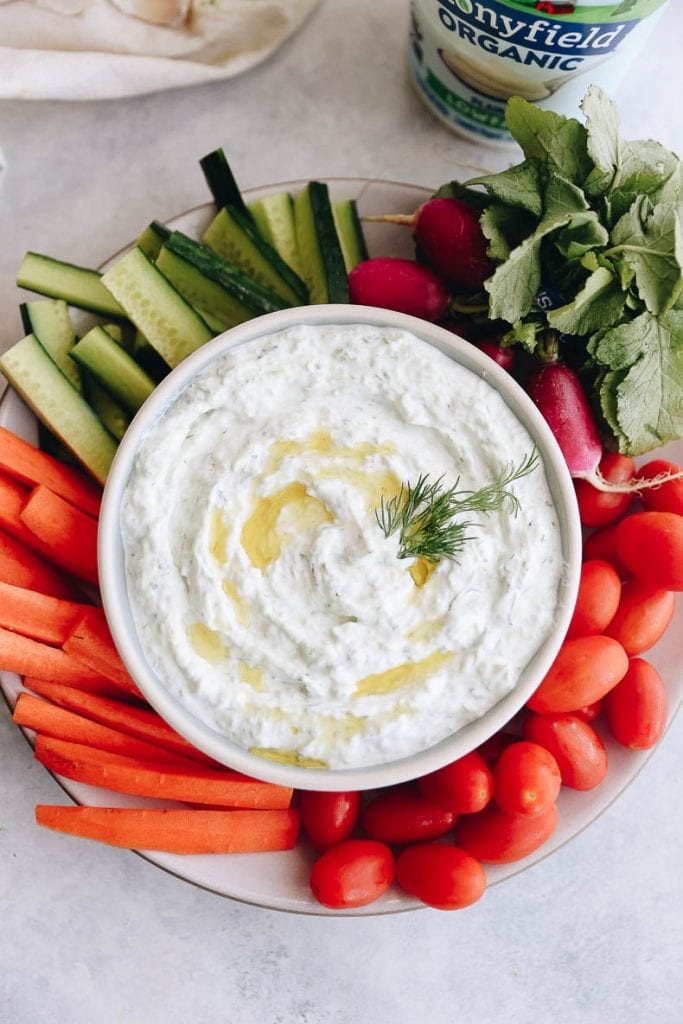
(279, 881)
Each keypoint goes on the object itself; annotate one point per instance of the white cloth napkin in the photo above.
(105, 49)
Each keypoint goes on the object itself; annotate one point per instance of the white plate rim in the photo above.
(573, 804)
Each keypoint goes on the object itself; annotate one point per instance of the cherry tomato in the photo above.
(401, 815)
(464, 786)
(352, 873)
(444, 877)
(636, 709)
(585, 669)
(493, 747)
(602, 544)
(598, 508)
(650, 544)
(667, 497)
(328, 818)
(589, 712)
(404, 285)
(494, 837)
(597, 599)
(526, 779)
(578, 750)
(643, 614)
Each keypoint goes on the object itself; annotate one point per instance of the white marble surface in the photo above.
(92, 934)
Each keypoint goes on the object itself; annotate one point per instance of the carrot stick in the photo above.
(98, 686)
(90, 642)
(37, 615)
(22, 567)
(51, 720)
(176, 831)
(194, 784)
(69, 533)
(12, 500)
(29, 465)
(132, 719)
(32, 658)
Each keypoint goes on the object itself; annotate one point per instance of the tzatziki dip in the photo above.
(265, 593)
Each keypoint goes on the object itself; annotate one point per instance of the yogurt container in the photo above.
(468, 57)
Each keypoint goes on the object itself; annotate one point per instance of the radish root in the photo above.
(633, 486)
(391, 218)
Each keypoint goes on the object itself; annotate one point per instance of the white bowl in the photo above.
(113, 577)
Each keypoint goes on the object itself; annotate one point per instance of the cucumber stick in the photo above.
(274, 218)
(221, 181)
(320, 251)
(349, 232)
(113, 368)
(148, 358)
(58, 405)
(49, 321)
(76, 285)
(235, 237)
(123, 335)
(256, 297)
(115, 419)
(152, 239)
(168, 322)
(201, 292)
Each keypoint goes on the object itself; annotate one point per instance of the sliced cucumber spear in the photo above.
(350, 232)
(256, 297)
(322, 259)
(168, 322)
(221, 182)
(50, 323)
(76, 285)
(235, 237)
(58, 405)
(113, 368)
(274, 217)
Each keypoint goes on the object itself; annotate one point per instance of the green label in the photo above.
(488, 118)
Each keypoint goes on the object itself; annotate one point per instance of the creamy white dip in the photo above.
(264, 592)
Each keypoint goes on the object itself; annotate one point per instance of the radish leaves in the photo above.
(593, 221)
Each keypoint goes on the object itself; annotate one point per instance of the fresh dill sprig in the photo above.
(423, 513)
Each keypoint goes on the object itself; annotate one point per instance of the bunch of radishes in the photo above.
(452, 255)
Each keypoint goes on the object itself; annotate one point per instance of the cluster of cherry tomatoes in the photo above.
(498, 803)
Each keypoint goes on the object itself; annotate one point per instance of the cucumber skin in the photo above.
(266, 266)
(319, 245)
(221, 181)
(256, 297)
(215, 304)
(350, 233)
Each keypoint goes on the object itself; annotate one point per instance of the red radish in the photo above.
(448, 235)
(504, 356)
(398, 284)
(462, 328)
(557, 391)
(450, 238)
